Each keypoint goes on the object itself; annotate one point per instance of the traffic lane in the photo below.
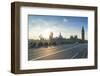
(75, 53)
(82, 54)
(34, 53)
(65, 53)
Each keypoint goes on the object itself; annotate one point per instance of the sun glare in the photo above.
(46, 32)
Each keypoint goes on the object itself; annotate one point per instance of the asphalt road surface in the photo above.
(66, 51)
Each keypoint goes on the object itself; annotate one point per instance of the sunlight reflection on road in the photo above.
(53, 52)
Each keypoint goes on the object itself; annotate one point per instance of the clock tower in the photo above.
(83, 34)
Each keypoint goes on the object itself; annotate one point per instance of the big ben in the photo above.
(83, 34)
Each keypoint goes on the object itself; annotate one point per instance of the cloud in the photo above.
(38, 26)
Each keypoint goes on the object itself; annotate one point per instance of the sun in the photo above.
(46, 32)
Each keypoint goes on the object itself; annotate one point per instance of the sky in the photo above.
(66, 25)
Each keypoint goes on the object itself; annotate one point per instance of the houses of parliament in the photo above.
(58, 40)
(61, 40)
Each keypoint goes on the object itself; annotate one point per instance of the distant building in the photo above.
(60, 39)
(57, 40)
(60, 36)
(83, 34)
(51, 36)
(76, 37)
(41, 37)
(50, 42)
(73, 37)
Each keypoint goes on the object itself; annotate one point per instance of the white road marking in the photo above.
(75, 55)
(56, 52)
